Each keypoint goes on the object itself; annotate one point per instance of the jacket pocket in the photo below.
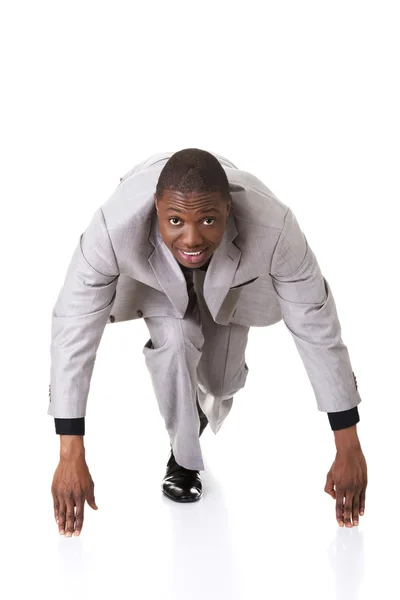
(244, 284)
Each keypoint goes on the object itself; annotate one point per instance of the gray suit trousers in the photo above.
(192, 360)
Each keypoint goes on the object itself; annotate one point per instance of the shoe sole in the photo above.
(182, 501)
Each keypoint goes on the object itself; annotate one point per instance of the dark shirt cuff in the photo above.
(70, 426)
(344, 418)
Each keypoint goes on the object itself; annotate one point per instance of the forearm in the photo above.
(309, 312)
(79, 317)
(347, 439)
(72, 446)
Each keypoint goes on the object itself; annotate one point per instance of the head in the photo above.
(193, 202)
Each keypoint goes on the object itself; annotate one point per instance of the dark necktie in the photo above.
(188, 274)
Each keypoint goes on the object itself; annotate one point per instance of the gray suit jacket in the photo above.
(263, 271)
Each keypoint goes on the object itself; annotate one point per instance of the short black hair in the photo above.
(193, 170)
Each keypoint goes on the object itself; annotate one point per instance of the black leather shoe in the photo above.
(180, 484)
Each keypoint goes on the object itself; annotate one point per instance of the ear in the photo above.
(156, 202)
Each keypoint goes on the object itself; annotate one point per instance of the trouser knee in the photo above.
(175, 334)
(223, 384)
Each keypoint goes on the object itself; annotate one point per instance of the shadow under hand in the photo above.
(346, 557)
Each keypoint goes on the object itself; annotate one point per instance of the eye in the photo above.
(209, 219)
(174, 219)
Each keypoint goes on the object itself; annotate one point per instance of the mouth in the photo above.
(192, 257)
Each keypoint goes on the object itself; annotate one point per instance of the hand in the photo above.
(348, 474)
(72, 485)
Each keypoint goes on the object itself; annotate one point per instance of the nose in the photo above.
(191, 238)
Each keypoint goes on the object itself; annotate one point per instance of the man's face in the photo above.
(192, 223)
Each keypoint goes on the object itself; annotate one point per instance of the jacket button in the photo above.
(112, 318)
(139, 314)
(355, 381)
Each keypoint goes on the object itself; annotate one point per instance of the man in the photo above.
(202, 251)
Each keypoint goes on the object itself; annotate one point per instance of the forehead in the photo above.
(190, 200)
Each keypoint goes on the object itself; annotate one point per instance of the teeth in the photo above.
(192, 253)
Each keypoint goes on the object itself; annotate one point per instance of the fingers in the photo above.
(339, 507)
(362, 501)
(356, 508)
(90, 497)
(80, 503)
(359, 506)
(56, 507)
(330, 485)
(69, 507)
(61, 516)
(70, 522)
(348, 510)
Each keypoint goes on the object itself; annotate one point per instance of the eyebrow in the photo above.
(204, 210)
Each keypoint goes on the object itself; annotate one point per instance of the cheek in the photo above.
(167, 235)
(170, 237)
(215, 236)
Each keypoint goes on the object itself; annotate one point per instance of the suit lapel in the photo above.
(167, 270)
(222, 269)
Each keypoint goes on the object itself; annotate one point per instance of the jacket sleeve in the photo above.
(78, 319)
(309, 312)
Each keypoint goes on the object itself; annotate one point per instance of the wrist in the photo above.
(347, 439)
(71, 446)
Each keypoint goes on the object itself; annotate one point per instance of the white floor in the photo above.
(264, 528)
(306, 98)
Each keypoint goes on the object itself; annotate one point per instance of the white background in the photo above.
(306, 96)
